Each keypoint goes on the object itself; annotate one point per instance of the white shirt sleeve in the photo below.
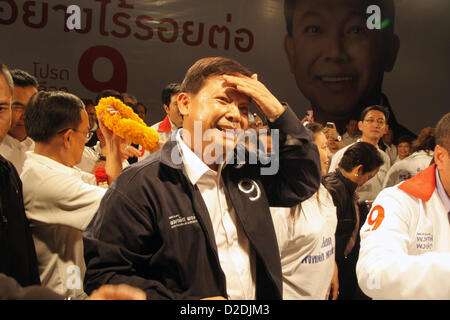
(386, 268)
(65, 200)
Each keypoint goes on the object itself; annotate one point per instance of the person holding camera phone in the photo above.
(335, 142)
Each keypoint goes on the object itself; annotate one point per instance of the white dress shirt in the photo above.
(14, 150)
(236, 257)
(59, 202)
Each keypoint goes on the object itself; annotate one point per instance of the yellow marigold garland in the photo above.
(121, 119)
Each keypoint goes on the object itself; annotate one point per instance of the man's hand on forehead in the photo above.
(257, 91)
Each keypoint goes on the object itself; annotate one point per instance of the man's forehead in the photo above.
(375, 114)
(5, 94)
(318, 7)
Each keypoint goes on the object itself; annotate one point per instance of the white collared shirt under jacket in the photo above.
(233, 245)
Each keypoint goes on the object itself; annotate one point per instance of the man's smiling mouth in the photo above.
(335, 79)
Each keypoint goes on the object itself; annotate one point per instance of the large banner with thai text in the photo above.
(138, 46)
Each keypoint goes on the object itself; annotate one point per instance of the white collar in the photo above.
(9, 140)
(195, 168)
(50, 163)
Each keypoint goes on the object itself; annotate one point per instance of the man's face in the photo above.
(220, 110)
(79, 137)
(388, 137)
(338, 63)
(21, 96)
(173, 112)
(90, 109)
(352, 127)
(5, 108)
(373, 127)
(142, 113)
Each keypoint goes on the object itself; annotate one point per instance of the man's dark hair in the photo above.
(168, 91)
(361, 153)
(405, 138)
(443, 132)
(108, 93)
(23, 79)
(375, 107)
(315, 127)
(387, 9)
(48, 112)
(203, 68)
(5, 72)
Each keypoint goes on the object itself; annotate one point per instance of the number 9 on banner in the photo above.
(375, 218)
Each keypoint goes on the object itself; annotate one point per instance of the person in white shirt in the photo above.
(59, 199)
(351, 134)
(305, 235)
(173, 118)
(17, 143)
(373, 126)
(405, 241)
(420, 159)
(390, 148)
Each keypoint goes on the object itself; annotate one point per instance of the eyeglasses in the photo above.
(17, 108)
(379, 121)
(88, 134)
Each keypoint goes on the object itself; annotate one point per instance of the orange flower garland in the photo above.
(121, 119)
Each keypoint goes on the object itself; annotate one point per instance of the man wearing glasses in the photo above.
(373, 126)
(60, 200)
(16, 142)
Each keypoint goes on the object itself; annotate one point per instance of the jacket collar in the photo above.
(170, 154)
(422, 185)
(349, 184)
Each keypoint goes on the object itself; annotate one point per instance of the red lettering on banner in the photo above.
(28, 13)
(122, 25)
(14, 12)
(118, 80)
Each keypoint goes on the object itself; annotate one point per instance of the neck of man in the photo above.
(20, 138)
(53, 152)
(372, 141)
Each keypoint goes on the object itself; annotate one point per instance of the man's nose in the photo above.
(233, 114)
(335, 48)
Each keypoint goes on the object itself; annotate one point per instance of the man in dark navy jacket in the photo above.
(17, 252)
(189, 223)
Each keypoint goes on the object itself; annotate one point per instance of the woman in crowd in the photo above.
(305, 235)
(422, 154)
(403, 148)
(359, 164)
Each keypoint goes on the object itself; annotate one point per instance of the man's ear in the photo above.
(166, 108)
(439, 154)
(391, 53)
(289, 49)
(67, 138)
(184, 103)
(360, 123)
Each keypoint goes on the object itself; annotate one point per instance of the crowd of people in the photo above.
(186, 227)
